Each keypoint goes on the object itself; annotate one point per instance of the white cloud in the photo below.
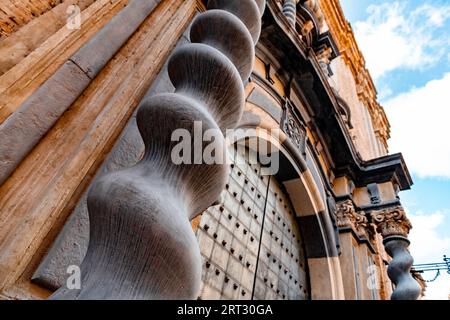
(428, 246)
(420, 127)
(384, 92)
(391, 39)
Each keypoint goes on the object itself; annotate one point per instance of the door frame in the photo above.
(322, 256)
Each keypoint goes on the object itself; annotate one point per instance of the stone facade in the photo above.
(86, 117)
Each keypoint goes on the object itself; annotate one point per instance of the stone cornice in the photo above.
(319, 101)
(352, 56)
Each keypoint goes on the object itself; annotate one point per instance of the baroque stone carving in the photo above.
(348, 217)
(394, 226)
(293, 127)
(141, 242)
(392, 222)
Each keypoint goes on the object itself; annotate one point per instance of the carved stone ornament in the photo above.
(391, 222)
(293, 127)
(348, 217)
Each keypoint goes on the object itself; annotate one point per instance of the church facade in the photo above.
(94, 206)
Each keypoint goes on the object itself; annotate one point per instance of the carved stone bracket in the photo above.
(394, 226)
(348, 217)
(294, 127)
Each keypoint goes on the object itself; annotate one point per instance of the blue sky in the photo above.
(406, 44)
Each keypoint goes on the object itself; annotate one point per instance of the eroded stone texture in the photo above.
(25, 128)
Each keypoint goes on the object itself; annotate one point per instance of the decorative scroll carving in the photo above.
(293, 127)
(348, 217)
(394, 226)
(391, 222)
(345, 214)
(141, 242)
(344, 109)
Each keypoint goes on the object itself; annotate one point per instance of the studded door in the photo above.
(251, 244)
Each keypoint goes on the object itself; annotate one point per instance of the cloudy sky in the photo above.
(406, 44)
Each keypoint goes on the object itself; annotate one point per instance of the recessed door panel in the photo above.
(251, 244)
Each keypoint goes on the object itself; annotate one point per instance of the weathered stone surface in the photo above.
(92, 57)
(245, 11)
(14, 14)
(392, 222)
(216, 28)
(23, 130)
(29, 37)
(349, 218)
(68, 249)
(29, 73)
(259, 99)
(38, 197)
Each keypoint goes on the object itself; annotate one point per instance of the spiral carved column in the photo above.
(141, 242)
(394, 226)
(290, 10)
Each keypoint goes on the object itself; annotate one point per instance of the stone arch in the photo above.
(311, 210)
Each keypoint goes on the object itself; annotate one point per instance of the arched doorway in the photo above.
(251, 243)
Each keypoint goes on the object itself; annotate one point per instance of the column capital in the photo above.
(392, 222)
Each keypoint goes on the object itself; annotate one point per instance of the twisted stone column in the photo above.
(394, 226)
(141, 242)
(290, 10)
